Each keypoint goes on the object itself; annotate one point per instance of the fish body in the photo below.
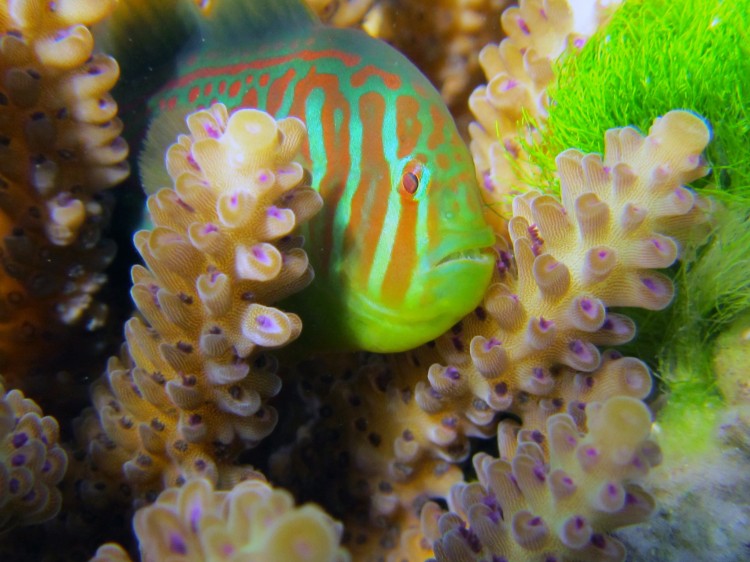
(400, 248)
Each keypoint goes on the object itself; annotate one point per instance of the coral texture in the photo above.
(531, 349)
(533, 506)
(60, 150)
(342, 14)
(378, 437)
(252, 522)
(189, 390)
(443, 38)
(32, 462)
(513, 104)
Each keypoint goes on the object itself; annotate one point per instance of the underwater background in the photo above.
(378, 280)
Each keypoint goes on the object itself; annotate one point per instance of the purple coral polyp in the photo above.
(264, 321)
(20, 439)
(452, 373)
(260, 254)
(177, 544)
(18, 460)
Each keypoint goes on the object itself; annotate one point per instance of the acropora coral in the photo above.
(32, 462)
(252, 522)
(61, 149)
(552, 495)
(707, 67)
(411, 416)
(370, 456)
(189, 390)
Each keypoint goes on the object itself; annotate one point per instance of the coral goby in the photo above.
(399, 251)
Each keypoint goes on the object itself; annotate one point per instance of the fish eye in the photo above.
(411, 178)
(410, 181)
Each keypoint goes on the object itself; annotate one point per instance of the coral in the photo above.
(252, 522)
(60, 150)
(532, 506)
(341, 14)
(531, 349)
(512, 106)
(706, 67)
(32, 462)
(376, 438)
(362, 456)
(189, 389)
(442, 38)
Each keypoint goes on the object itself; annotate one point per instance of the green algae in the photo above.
(655, 56)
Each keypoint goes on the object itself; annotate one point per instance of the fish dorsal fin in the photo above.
(234, 22)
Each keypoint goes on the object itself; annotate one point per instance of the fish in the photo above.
(400, 251)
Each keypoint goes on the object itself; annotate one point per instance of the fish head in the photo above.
(434, 255)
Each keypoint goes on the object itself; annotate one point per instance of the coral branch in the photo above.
(31, 462)
(531, 508)
(60, 149)
(532, 348)
(518, 70)
(189, 390)
(253, 522)
(548, 313)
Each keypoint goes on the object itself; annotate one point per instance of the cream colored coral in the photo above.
(443, 38)
(518, 71)
(529, 505)
(60, 149)
(341, 13)
(189, 389)
(547, 314)
(251, 523)
(32, 463)
(64, 143)
(533, 347)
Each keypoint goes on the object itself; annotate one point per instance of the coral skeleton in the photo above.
(189, 389)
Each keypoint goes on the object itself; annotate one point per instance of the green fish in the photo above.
(400, 251)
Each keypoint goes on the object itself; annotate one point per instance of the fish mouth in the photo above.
(479, 255)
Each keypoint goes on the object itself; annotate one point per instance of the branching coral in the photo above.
(532, 506)
(60, 149)
(443, 38)
(252, 522)
(342, 14)
(532, 347)
(190, 388)
(570, 262)
(362, 456)
(519, 71)
(32, 462)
